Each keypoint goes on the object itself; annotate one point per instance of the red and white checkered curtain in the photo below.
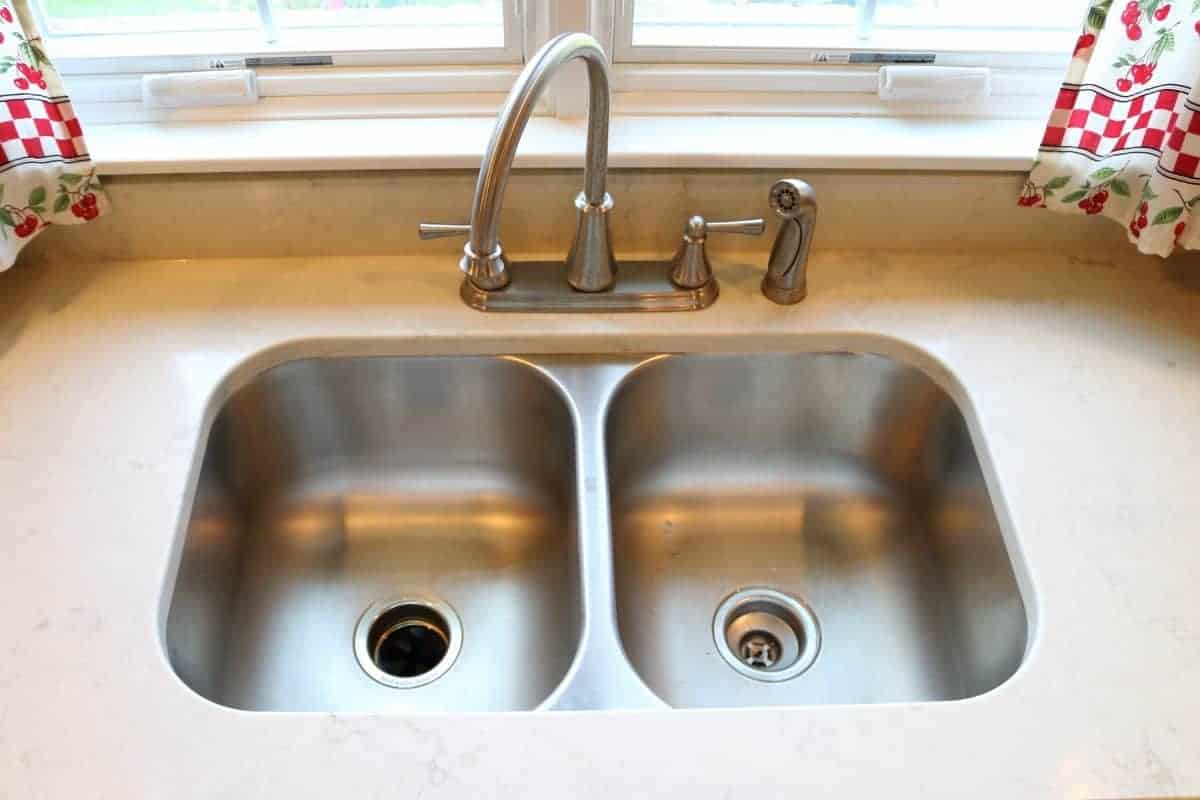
(1124, 137)
(46, 176)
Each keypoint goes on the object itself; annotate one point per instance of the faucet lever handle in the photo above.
(746, 227)
(690, 268)
(439, 230)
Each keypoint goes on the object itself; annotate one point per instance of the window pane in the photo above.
(912, 24)
(740, 23)
(401, 24)
(1020, 14)
(69, 17)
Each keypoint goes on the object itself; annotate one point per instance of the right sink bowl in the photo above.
(805, 529)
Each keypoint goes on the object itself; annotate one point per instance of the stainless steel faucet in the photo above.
(590, 263)
(493, 283)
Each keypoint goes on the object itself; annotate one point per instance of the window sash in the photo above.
(346, 45)
(1037, 48)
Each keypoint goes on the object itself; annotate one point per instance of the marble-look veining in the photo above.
(1082, 375)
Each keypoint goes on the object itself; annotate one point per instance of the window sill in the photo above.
(689, 142)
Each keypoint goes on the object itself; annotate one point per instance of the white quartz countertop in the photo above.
(1083, 377)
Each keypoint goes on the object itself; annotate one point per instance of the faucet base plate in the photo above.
(541, 286)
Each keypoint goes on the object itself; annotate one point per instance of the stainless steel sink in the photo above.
(847, 482)
(471, 534)
(328, 485)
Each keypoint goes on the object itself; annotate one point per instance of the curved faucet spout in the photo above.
(590, 263)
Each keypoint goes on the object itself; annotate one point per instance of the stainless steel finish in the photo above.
(329, 484)
(590, 265)
(440, 230)
(746, 227)
(585, 516)
(384, 617)
(766, 635)
(848, 480)
(690, 268)
(538, 286)
(795, 203)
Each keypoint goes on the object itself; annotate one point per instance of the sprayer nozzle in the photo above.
(790, 198)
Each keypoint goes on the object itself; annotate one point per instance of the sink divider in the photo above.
(601, 675)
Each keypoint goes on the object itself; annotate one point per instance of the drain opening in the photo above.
(407, 643)
(766, 635)
(410, 648)
(760, 649)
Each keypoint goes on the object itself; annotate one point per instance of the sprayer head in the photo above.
(790, 198)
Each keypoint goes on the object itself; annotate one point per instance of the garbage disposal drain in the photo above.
(766, 635)
(407, 643)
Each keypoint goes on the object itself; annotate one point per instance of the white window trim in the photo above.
(718, 142)
(772, 90)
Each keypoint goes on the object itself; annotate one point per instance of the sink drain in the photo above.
(407, 643)
(766, 635)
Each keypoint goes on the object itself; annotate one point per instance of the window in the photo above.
(799, 30)
(346, 31)
(824, 56)
(352, 58)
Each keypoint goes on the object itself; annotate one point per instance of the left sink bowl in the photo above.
(333, 489)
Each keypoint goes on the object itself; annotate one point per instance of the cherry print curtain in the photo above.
(1124, 136)
(46, 176)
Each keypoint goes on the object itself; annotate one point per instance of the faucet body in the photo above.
(590, 263)
(686, 283)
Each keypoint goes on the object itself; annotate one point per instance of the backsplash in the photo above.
(374, 213)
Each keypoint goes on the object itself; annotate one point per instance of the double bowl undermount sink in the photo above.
(475, 534)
